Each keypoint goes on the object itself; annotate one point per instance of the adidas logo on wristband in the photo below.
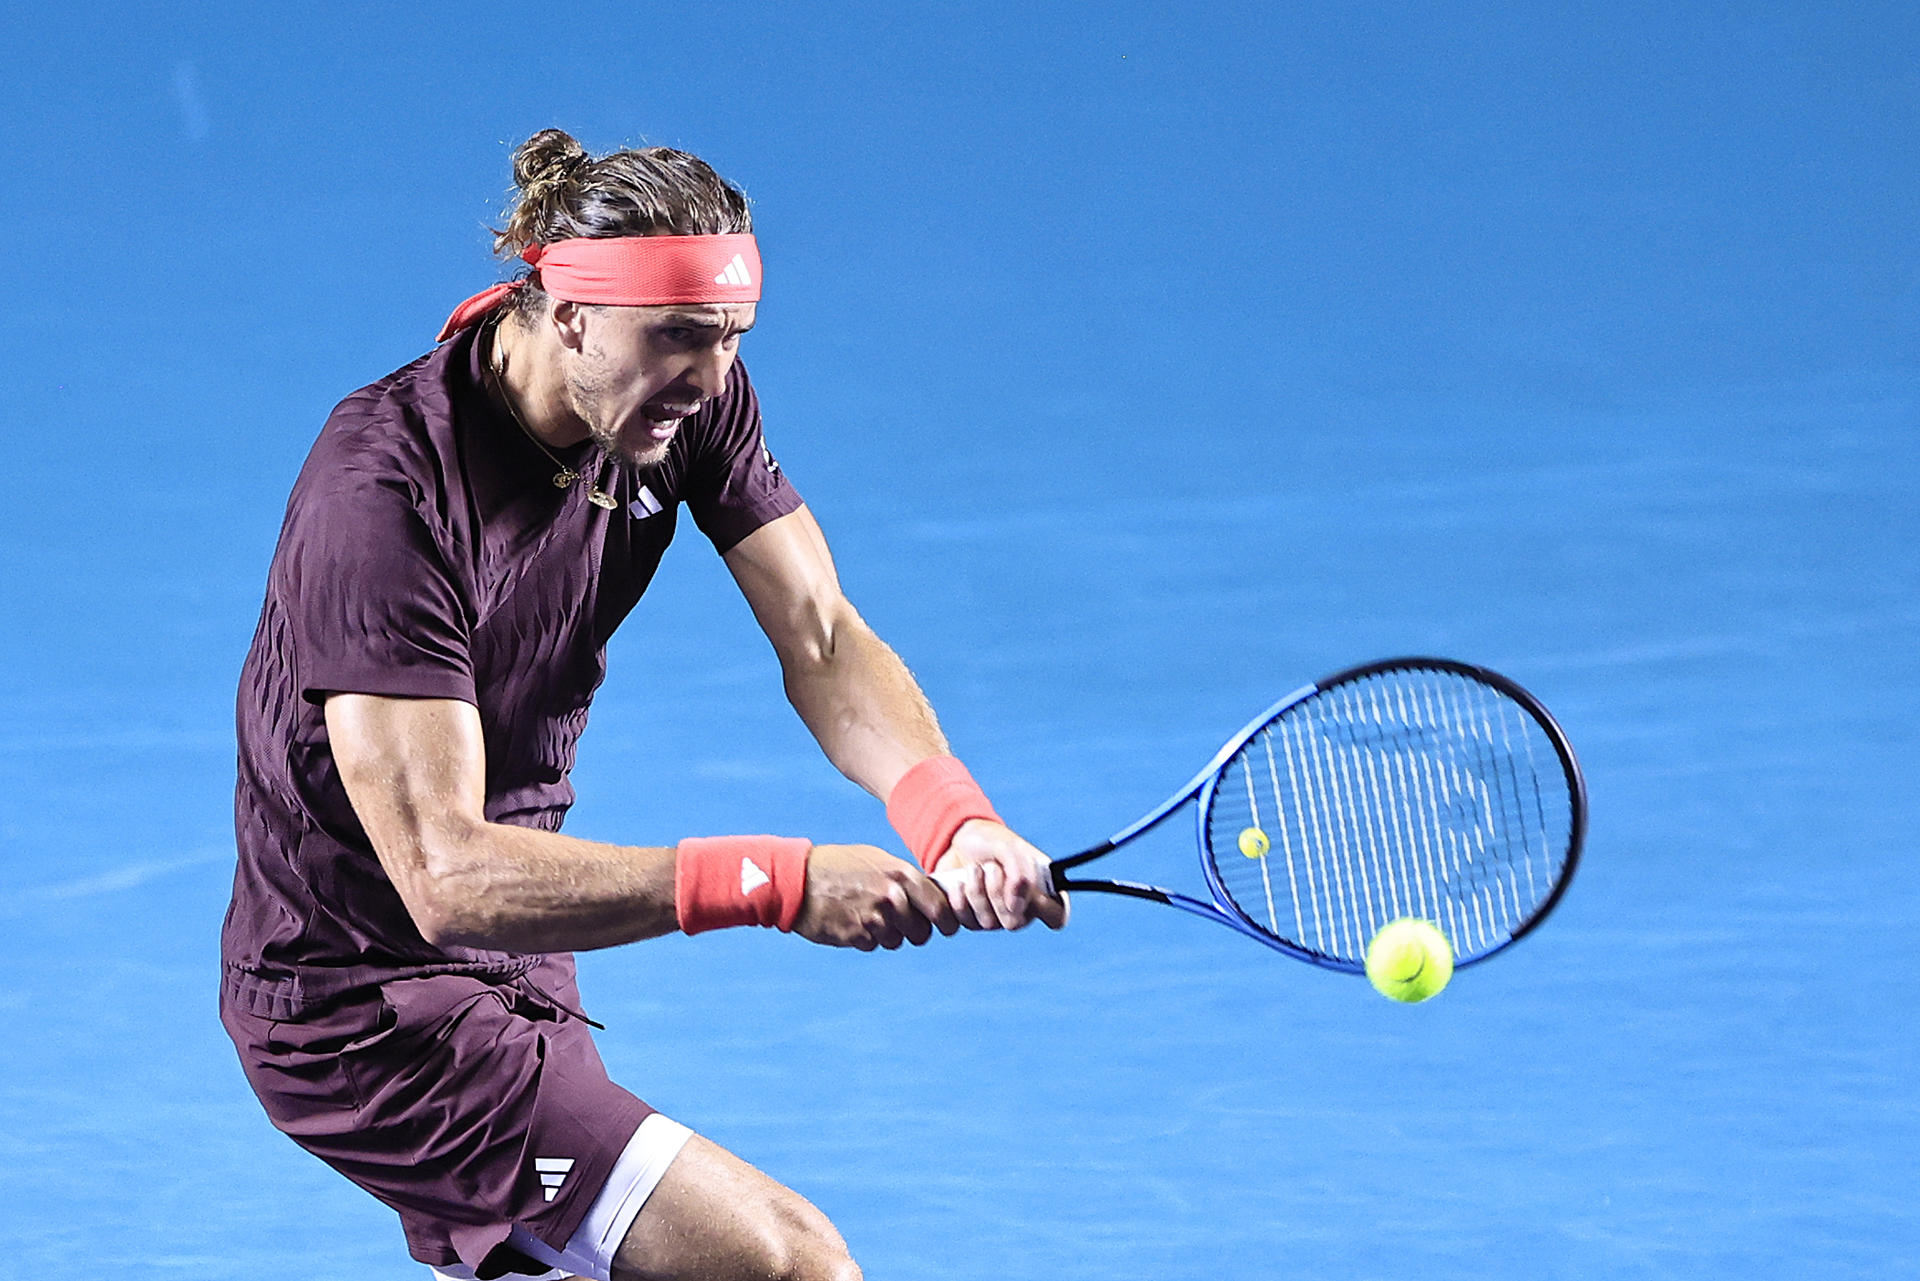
(752, 877)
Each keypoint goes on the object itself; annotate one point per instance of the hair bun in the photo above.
(547, 157)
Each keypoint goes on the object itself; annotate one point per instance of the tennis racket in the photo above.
(1407, 787)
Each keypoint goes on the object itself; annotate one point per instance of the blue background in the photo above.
(1141, 363)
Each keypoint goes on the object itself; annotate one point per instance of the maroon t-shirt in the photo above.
(427, 553)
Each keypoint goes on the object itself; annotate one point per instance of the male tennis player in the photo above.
(463, 539)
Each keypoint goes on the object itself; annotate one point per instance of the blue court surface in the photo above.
(1141, 366)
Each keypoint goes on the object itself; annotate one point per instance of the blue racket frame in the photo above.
(1201, 788)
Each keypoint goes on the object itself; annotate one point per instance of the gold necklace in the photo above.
(564, 478)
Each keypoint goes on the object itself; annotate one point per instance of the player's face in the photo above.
(638, 372)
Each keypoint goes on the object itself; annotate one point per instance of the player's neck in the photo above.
(527, 379)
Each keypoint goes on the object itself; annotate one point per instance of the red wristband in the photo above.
(720, 881)
(931, 802)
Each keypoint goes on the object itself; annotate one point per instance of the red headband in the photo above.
(631, 271)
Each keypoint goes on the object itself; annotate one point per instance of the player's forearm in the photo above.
(415, 770)
(523, 890)
(862, 705)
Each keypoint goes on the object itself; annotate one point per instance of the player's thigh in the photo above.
(715, 1218)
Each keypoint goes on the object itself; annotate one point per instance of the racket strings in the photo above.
(1409, 792)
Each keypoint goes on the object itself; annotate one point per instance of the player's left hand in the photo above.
(997, 881)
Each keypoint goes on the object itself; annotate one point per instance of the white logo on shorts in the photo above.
(553, 1171)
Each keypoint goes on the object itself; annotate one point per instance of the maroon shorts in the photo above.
(438, 1094)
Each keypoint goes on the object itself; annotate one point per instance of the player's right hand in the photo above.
(861, 896)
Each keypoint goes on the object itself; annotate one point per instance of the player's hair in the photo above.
(561, 192)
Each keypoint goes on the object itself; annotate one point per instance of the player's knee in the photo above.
(805, 1246)
(831, 1264)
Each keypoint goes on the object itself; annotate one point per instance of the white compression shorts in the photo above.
(589, 1252)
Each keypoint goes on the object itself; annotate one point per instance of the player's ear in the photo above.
(569, 323)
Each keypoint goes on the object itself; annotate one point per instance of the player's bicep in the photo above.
(415, 770)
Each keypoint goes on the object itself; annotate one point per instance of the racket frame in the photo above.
(1202, 785)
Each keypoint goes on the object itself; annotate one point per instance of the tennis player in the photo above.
(463, 539)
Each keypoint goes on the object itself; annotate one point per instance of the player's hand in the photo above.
(861, 896)
(994, 880)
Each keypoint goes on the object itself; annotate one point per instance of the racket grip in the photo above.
(948, 877)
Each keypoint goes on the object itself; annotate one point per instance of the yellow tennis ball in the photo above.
(1254, 842)
(1409, 960)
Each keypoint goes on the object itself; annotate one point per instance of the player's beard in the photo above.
(587, 390)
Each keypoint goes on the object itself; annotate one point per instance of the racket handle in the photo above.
(947, 878)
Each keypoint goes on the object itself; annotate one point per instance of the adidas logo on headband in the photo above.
(735, 274)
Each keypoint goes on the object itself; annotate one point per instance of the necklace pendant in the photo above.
(602, 499)
(564, 478)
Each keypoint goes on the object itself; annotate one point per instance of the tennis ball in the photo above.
(1254, 842)
(1409, 960)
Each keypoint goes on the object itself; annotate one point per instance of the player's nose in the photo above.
(708, 373)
